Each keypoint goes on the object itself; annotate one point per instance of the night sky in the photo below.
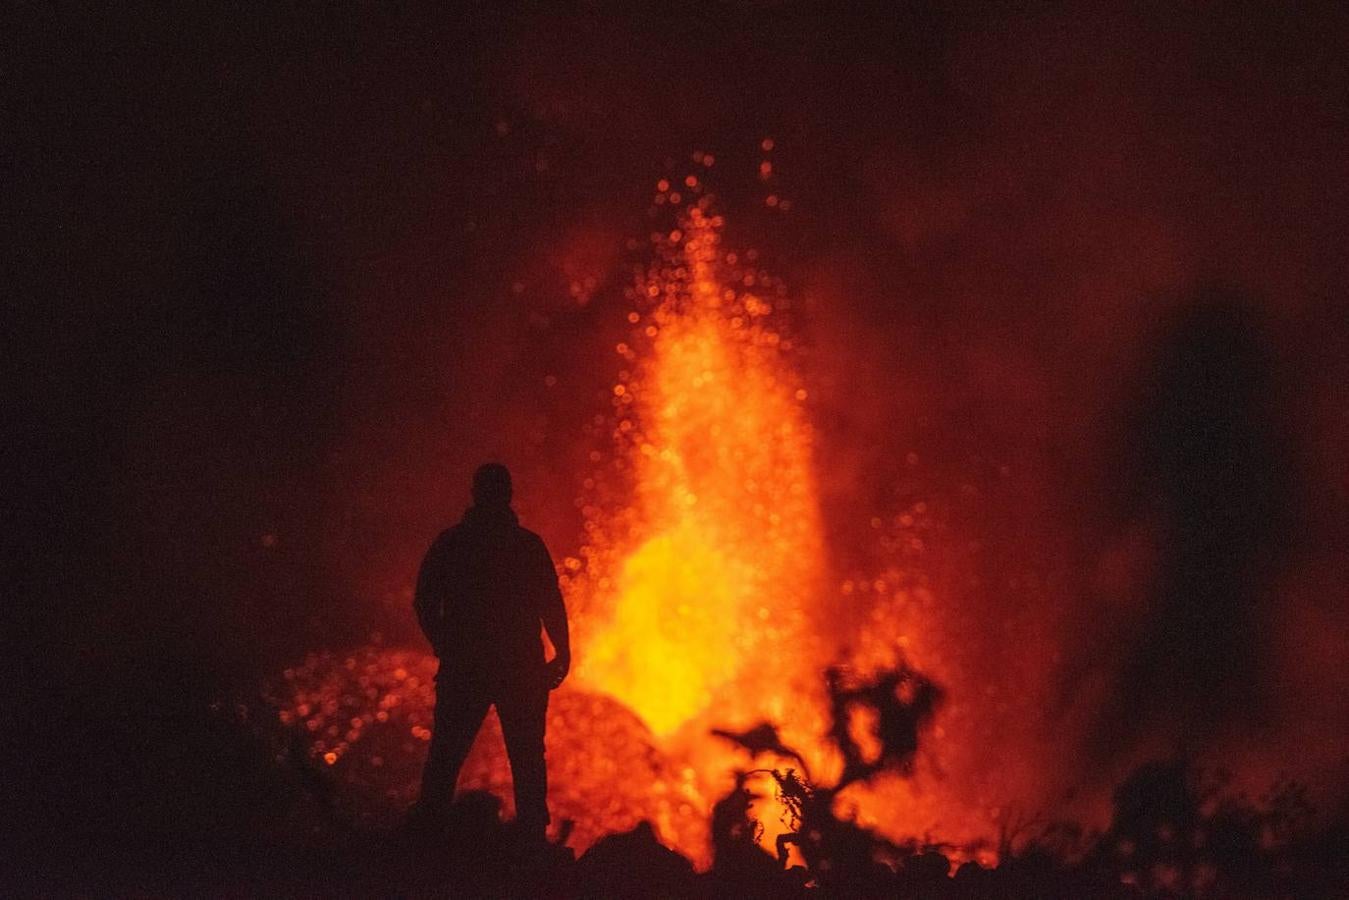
(279, 278)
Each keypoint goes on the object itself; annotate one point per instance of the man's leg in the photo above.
(523, 711)
(460, 709)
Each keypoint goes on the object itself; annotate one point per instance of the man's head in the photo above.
(492, 485)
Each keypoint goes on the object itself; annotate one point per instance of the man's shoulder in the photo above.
(530, 537)
(534, 545)
(445, 539)
(458, 534)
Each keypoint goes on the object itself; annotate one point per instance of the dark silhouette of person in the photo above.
(485, 587)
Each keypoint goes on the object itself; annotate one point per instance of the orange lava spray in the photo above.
(707, 575)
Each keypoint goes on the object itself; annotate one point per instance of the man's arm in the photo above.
(553, 612)
(429, 600)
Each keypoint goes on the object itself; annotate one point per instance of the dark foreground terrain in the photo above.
(1150, 851)
(229, 804)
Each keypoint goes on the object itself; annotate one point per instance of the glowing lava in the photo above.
(707, 577)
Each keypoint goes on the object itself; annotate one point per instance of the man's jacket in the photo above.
(483, 591)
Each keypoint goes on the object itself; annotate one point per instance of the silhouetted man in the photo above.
(484, 588)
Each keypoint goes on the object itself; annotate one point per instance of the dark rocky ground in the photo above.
(186, 803)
